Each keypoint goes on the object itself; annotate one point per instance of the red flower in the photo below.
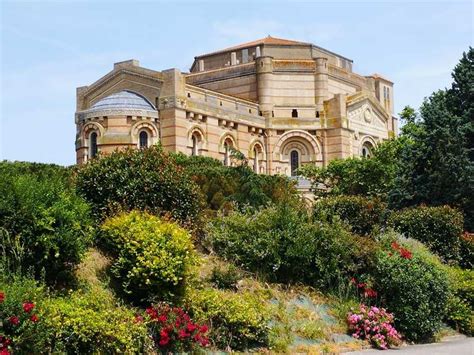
(164, 334)
(204, 342)
(191, 327)
(405, 253)
(353, 281)
(28, 306)
(370, 293)
(2, 297)
(395, 245)
(151, 312)
(14, 320)
(182, 333)
(4, 352)
(164, 341)
(162, 318)
(361, 285)
(203, 328)
(34, 318)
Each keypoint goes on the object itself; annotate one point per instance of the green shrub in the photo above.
(238, 321)
(360, 213)
(224, 187)
(439, 228)
(225, 277)
(466, 251)
(152, 257)
(145, 179)
(460, 310)
(86, 323)
(412, 284)
(282, 243)
(43, 218)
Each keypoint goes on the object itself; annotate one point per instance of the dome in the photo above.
(123, 100)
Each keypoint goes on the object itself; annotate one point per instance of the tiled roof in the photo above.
(123, 99)
(267, 40)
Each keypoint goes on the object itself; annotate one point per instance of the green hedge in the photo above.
(146, 179)
(439, 228)
(46, 226)
(153, 258)
(412, 284)
(362, 214)
(282, 243)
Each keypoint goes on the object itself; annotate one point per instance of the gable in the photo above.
(120, 80)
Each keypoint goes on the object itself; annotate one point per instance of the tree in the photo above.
(435, 166)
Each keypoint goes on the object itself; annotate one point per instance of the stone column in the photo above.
(321, 90)
(264, 68)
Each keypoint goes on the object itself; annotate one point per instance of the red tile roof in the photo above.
(267, 40)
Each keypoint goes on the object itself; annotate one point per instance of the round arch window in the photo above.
(367, 150)
(294, 162)
(143, 140)
(93, 150)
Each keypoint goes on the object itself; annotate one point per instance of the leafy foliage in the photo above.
(436, 166)
(363, 215)
(146, 179)
(91, 322)
(460, 307)
(224, 187)
(153, 258)
(370, 177)
(439, 228)
(238, 321)
(414, 286)
(282, 243)
(46, 226)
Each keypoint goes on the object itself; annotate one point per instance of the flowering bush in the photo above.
(375, 325)
(411, 283)
(363, 289)
(17, 324)
(439, 228)
(173, 330)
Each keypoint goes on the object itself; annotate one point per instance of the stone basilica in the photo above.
(282, 103)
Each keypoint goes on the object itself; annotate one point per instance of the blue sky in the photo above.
(50, 48)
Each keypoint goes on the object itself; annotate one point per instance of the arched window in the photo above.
(143, 141)
(227, 147)
(195, 149)
(294, 161)
(93, 145)
(294, 113)
(367, 150)
(255, 160)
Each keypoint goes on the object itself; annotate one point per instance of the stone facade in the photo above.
(282, 103)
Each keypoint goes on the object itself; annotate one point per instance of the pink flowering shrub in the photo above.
(173, 330)
(17, 323)
(375, 325)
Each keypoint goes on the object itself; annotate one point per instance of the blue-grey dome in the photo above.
(123, 100)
